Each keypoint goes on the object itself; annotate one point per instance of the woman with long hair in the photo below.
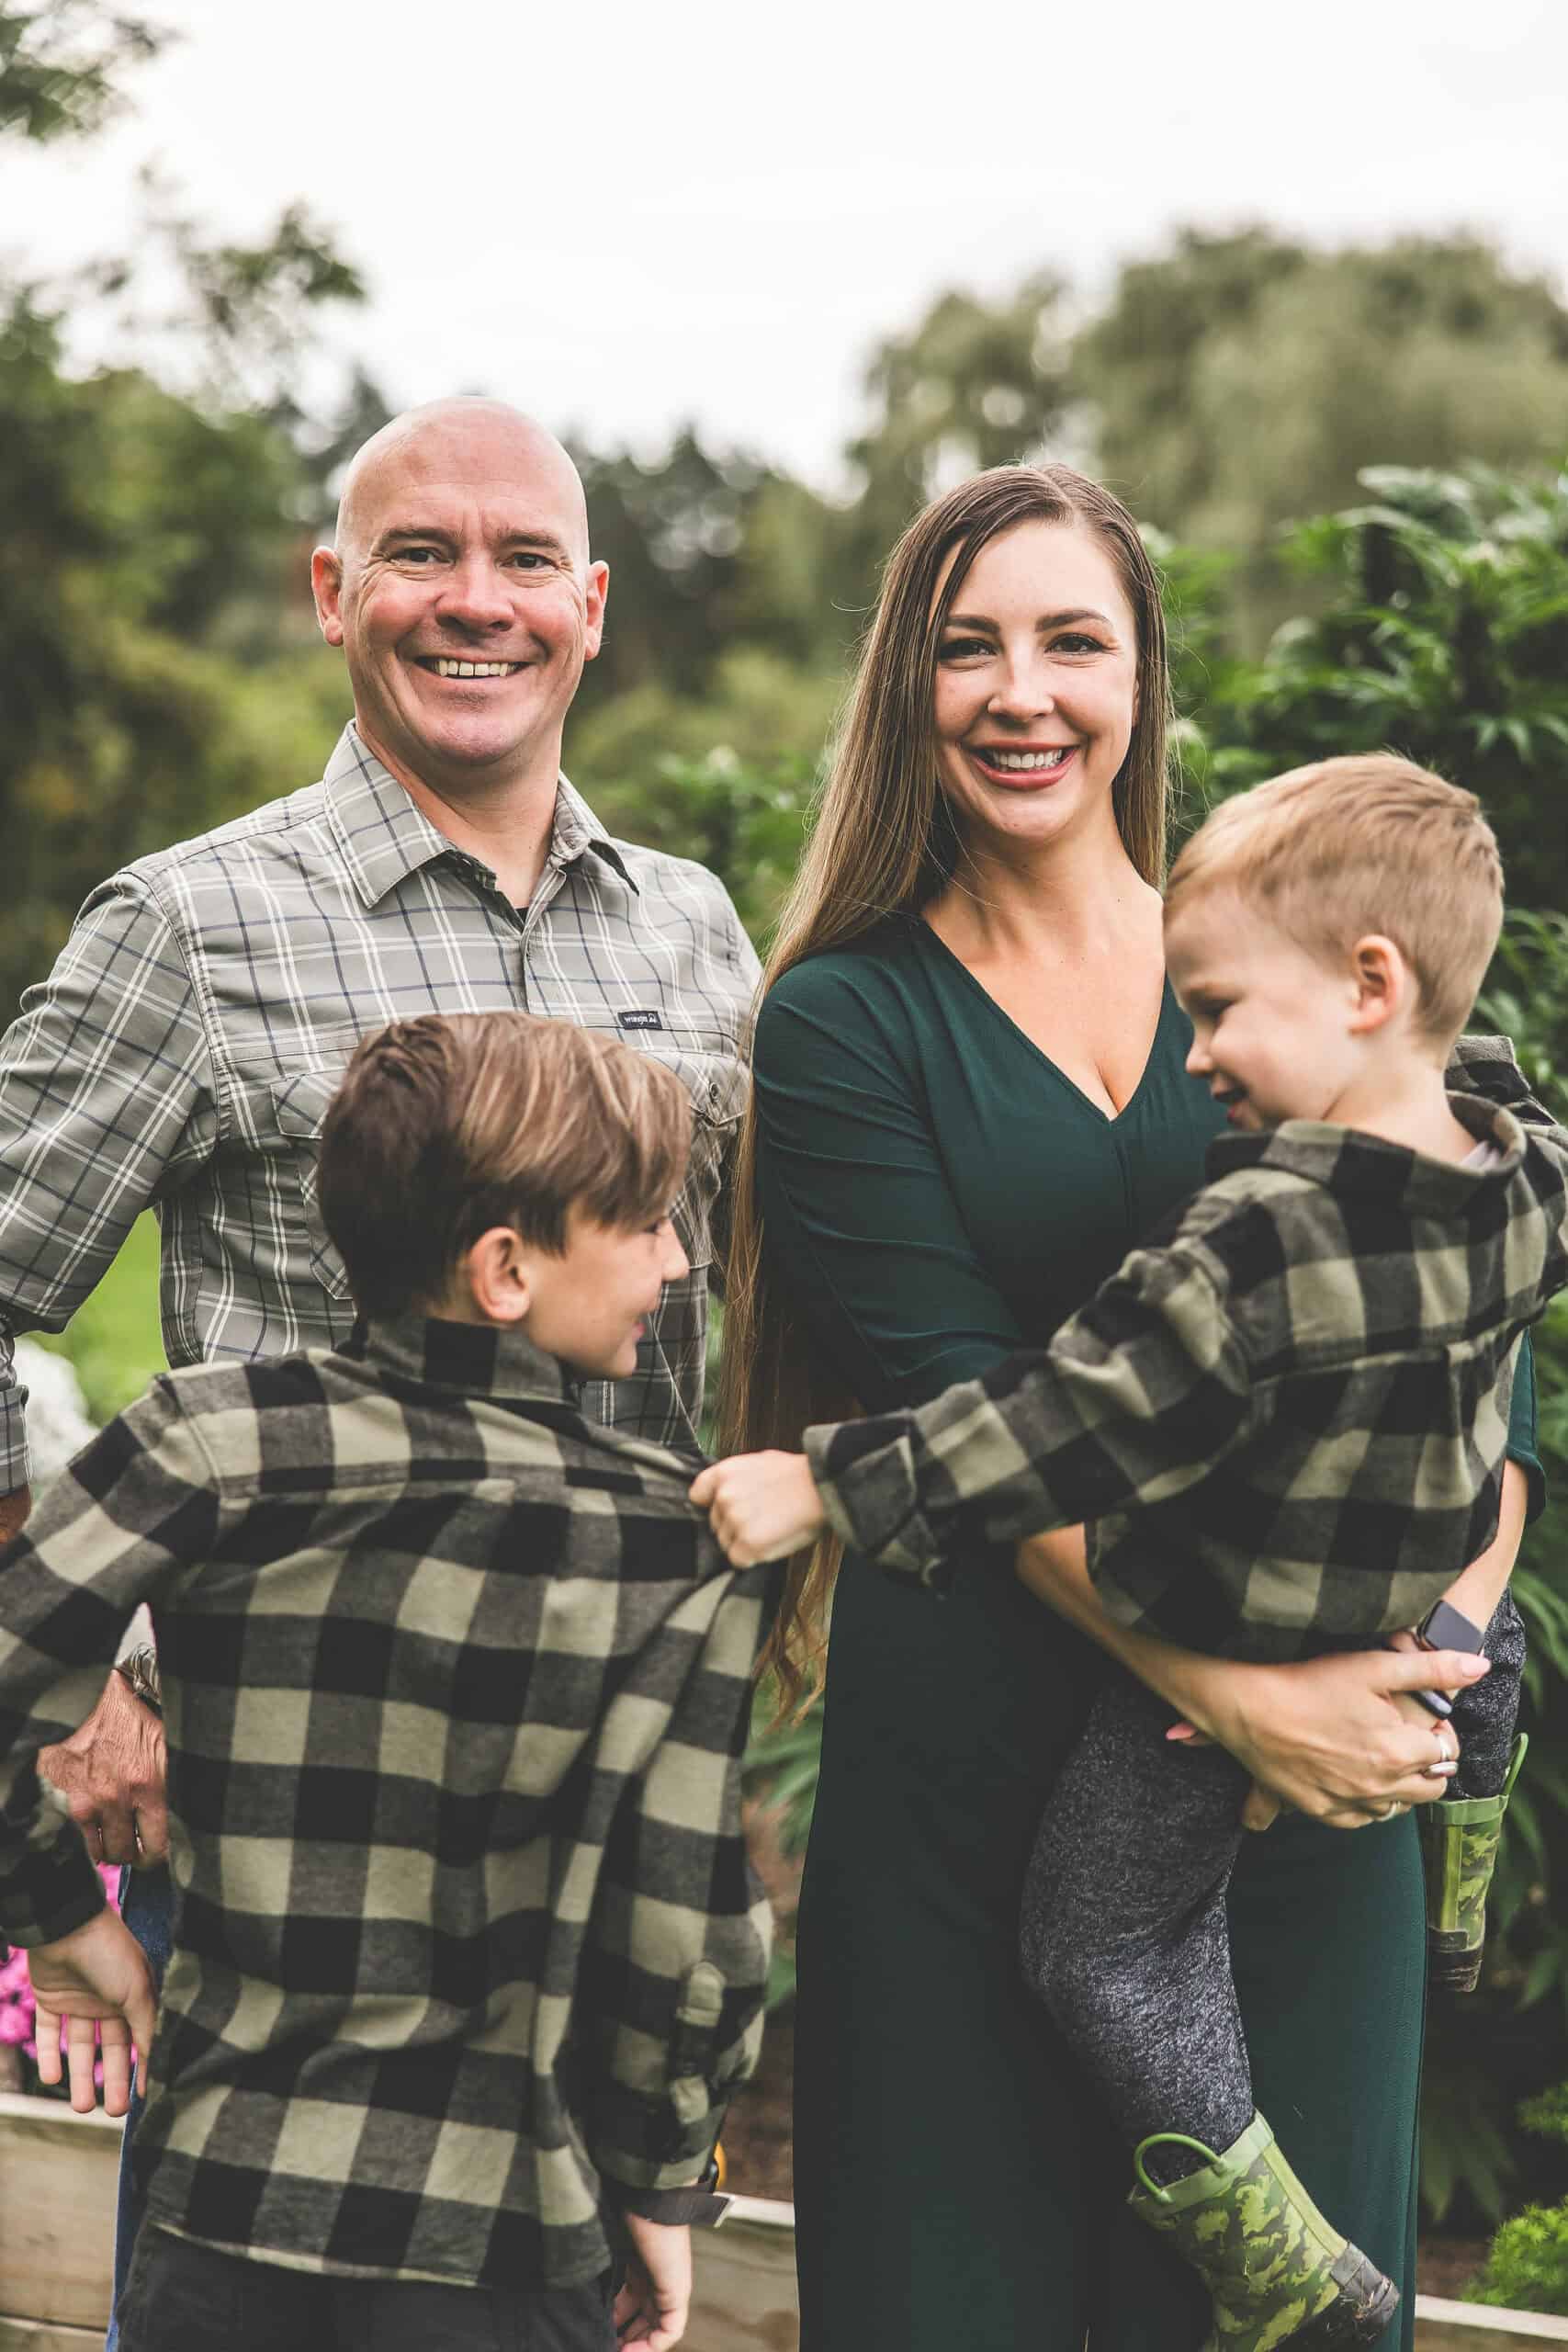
(970, 1102)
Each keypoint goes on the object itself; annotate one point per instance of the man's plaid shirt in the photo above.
(457, 1687)
(1287, 1425)
(185, 1049)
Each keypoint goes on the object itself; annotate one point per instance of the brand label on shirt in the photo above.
(640, 1020)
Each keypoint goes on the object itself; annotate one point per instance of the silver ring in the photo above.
(1391, 1812)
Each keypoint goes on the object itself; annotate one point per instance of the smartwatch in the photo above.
(1445, 1628)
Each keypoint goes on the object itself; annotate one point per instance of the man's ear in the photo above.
(326, 587)
(596, 591)
(1384, 984)
(497, 1274)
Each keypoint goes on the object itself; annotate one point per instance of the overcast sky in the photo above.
(626, 217)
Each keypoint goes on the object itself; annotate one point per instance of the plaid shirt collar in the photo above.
(1347, 1160)
(471, 1359)
(384, 837)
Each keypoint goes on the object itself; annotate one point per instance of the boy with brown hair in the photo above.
(468, 1956)
(1286, 1425)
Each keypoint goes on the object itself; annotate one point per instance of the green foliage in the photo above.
(61, 66)
(1527, 2268)
(1240, 382)
(114, 1342)
(782, 1765)
(1443, 633)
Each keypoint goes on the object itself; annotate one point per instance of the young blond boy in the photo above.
(1287, 1426)
(468, 1956)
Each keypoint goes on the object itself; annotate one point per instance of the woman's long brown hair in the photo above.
(884, 841)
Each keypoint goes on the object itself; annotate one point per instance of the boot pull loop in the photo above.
(1167, 2140)
(1521, 1747)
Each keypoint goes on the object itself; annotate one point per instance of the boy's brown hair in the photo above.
(450, 1124)
(1350, 847)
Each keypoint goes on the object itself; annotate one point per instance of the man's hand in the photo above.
(96, 1976)
(14, 1509)
(112, 1772)
(652, 2307)
(761, 1506)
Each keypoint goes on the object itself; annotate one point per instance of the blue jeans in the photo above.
(146, 1905)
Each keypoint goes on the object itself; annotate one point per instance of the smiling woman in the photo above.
(970, 1102)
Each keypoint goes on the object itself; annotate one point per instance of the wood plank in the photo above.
(43, 2335)
(744, 2297)
(59, 2173)
(1443, 2326)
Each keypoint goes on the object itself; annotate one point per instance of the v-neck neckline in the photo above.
(1110, 1118)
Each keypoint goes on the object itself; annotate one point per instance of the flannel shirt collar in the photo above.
(1345, 1160)
(384, 837)
(473, 1359)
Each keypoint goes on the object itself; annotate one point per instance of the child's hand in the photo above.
(96, 1976)
(761, 1506)
(651, 2308)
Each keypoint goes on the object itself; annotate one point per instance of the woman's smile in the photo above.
(1022, 767)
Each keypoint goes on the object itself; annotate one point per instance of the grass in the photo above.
(113, 1340)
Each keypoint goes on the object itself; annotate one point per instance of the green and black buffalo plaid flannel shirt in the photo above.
(456, 1688)
(1287, 1426)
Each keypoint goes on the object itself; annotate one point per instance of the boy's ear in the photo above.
(1383, 981)
(497, 1275)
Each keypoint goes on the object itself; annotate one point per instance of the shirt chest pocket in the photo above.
(299, 1106)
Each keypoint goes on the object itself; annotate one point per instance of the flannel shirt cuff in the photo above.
(52, 1887)
(871, 1498)
(15, 1469)
(636, 2142)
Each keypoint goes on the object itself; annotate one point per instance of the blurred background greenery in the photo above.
(1350, 466)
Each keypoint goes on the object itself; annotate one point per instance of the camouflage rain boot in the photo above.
(1459, 1837)
(1278, 2273)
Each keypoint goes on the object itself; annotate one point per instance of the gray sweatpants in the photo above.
(1124, 1932)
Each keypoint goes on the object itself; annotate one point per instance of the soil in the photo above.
(1446, 2265)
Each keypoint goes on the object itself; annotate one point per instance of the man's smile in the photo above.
(446, 665)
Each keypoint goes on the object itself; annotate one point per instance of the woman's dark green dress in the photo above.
(935, 1193)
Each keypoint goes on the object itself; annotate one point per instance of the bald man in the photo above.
(183, 1050)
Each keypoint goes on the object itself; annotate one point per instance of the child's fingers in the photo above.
(115, 2038)
(82, 2061)
(701, 1488)
(46, 2026)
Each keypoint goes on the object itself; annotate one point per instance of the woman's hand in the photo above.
(761, 1506)
(1340, 1738)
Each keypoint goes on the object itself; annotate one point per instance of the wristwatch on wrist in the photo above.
(698, 2207)
(139, 1672)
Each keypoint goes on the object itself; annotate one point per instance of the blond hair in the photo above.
(448, 1125)
(884, 841)
(1347, 848)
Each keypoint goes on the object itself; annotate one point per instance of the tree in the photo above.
(60, 65)
(148, 533)
(1243, 382)
(973, 384)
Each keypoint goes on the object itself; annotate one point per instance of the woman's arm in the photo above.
(1336, 1738)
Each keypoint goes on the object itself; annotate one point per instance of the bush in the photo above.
(1527, 2268)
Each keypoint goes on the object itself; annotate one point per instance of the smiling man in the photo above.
(183, 1052)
